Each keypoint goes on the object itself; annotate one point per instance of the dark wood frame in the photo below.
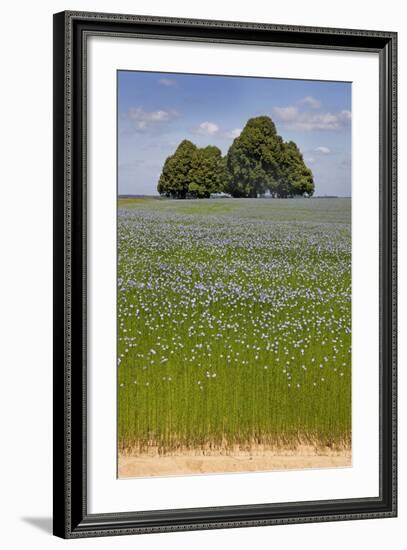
(71, 518)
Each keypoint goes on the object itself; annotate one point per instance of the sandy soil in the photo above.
(189, 463)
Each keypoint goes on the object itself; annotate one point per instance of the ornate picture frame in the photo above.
(72, 517)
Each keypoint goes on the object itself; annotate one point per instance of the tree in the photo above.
(295, 177)
(208, 173)
(194, 171)
(253, 159)
(259, 161)
(175, 177)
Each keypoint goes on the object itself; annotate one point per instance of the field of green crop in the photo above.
(234, 323)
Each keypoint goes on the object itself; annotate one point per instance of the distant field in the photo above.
(315, 210)
(234, 323)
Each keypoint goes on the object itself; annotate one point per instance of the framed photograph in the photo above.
(224, 274)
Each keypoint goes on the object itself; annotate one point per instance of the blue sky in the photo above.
(156, 111)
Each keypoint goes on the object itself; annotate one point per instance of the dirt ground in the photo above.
(190, 463)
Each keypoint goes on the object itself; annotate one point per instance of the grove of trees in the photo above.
(258, 161)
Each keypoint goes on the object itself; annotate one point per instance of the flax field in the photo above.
(234, 323)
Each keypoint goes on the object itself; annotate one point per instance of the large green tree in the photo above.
(295, 177)
(175, 176)
(195, 171)
(253, 159)
(208, 173)
(259, 161)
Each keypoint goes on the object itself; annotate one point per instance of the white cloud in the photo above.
(345, 116)
(286, 114)
(294, 118)
(145, 119)
(311, 102)
(322, 149)
(167, 82)
(309, 160)
(207, 128)
(232, 133)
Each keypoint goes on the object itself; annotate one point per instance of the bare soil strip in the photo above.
(190, 463)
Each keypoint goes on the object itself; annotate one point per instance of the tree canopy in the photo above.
(175, 176)
(258, 161)
(253, 159)
(208, 173)
(295, 177)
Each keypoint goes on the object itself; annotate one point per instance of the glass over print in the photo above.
(234, 274)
